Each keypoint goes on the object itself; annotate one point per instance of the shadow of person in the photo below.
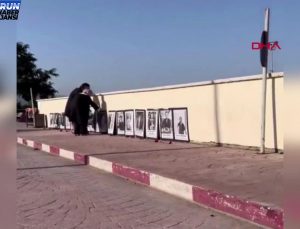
(103, 106)
(96, 100)
(102, 116)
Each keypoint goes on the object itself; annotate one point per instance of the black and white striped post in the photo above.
(264, 64)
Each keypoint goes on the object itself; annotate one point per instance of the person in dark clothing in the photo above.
(70, 105)
(121, 123)
(181, 126)
(80, 113)
(166, 122)
(82, 103)
(139, 122)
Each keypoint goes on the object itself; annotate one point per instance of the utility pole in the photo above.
(272, 60)
(264, 64)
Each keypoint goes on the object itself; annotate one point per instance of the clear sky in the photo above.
(127, 44)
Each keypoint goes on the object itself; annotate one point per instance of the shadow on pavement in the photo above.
(49, 167)
(31, 129)
(148, 151)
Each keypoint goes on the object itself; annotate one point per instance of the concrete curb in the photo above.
(251, 211)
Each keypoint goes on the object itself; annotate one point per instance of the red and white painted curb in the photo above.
(254, 212)
(54, 150)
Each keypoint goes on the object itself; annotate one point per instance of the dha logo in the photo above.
(9, 9)
(270, 45)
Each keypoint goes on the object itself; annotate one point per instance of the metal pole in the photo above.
(272, 61)
(264, 88)
(32, 106)
(45, 122)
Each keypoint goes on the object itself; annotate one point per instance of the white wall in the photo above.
(224, 111)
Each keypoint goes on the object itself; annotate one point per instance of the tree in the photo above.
(30, 76)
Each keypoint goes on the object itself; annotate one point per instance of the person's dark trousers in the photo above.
(83, 127)
(76, 128)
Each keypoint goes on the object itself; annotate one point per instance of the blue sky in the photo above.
(126, 44)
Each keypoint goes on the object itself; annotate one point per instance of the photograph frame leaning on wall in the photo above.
(111, 122)
(166, 128)
(129, 123)
(140, 123)
(102, 122)
(181, 112)
(120, 128)
(61, 121)
(152, 133)
(92, 123)
(53, 118)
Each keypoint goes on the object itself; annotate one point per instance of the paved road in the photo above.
(58, 193)
(232, 171)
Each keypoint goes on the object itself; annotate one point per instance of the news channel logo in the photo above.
(9, 9)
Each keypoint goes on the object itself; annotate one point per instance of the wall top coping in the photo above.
(177, 86)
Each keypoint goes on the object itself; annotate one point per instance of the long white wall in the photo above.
(224, 111)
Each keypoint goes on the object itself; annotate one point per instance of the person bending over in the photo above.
(70, 109)
(83, 102)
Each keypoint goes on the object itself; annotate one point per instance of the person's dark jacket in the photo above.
(82, 107)
(71, 104)
(166, 123)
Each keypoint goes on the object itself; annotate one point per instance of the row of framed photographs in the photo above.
(58, 121)
(97, 122)
(166, 124)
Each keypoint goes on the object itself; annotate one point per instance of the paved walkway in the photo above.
(242, 173)
(57, 193)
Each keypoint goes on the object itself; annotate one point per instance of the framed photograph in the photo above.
(120, 122)
(152, 124)
(53, 120)
(92, 121)
(61, 121)
(180, 123)
(111, 119)
(140, 119)
(129, 123)
(166, 124)
(101, 126)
